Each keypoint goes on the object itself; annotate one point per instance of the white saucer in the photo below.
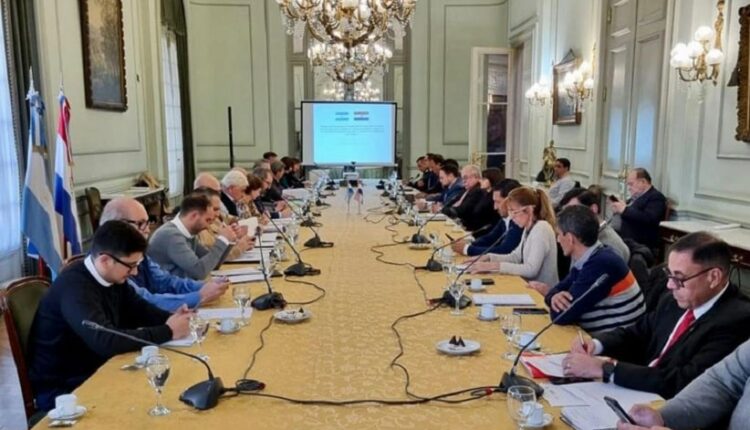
(54, 414)
(481, 318)
(292, 316)
(477, 290)
(534, 347)
(235, 330)
(547, 421)
(445, 347)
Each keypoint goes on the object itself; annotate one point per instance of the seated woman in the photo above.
(291, 172)
(535, 258)
(475, 207)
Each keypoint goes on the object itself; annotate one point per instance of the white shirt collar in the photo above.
(578, 264)
(702, 309)
(89, 263)
(180, 226)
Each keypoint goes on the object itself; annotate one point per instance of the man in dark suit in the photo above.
(703, 320)
(644, 210)
(452, 188)
(475, 206)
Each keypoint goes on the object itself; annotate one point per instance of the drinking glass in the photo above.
(271, 263)
(241, 295)
(521, 401)
(456, 289)
(157, 372)
(198, 330)
(510, 324)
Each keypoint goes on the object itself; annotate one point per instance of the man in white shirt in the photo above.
(563, 182)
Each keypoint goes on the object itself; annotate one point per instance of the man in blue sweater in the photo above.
(617, 300)
(154, 284)
(505, 236)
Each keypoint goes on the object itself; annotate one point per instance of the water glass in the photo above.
(157, 372)
(456, 289)
(198, 330)
(510, 324)
(241, 295)
(521, 403)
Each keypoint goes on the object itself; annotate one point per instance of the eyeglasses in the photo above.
(130, 266)
(680, 282)
(140, 225)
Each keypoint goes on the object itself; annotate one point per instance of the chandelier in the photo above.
(697, 60)
(349, 64)
(362, 91)
(348, 22)
(539, 93)
(578, 85)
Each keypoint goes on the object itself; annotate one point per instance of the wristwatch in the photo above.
(608, 370)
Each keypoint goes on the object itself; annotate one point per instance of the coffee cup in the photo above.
(66, 404)
(147, 351)
(476, 285)
(487, 311)
(228, 325)
(523, 338)
(535, 416)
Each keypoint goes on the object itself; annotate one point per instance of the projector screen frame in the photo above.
(302, 132)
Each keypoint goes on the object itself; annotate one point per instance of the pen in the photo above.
(583, 343)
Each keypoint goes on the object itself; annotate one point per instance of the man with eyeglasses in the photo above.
(474, 208)
(703, 320)
(151, 282)
(62, 352)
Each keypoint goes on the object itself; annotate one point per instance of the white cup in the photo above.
(476, 285)
(487, 311)
(228, 325)
(536, 415)
(65, 404)
(524, 337)
(148, 351)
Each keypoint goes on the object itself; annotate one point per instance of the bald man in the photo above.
(207, 180)
(155, 285)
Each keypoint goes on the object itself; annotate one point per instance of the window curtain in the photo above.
(173, 17)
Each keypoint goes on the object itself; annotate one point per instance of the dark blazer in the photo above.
(641, 218)
(712, 337)
(229, 204)
(432, 182)
(290, 180)
(273, 193)
(475, 211)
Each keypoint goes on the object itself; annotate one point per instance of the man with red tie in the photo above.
(703, 319)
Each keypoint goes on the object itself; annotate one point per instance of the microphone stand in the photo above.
(432, 265)
(314, 242)
(270, 299)
(510, 378)
(417, 237)
(300, 268)
(203, 395)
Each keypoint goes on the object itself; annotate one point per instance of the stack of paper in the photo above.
(544, 366)
(252, 256)
(503, 299)
(221, 313)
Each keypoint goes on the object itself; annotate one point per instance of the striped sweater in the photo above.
(617, 302)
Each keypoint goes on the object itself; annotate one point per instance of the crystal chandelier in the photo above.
(362, 91)
(349, 64)
(349, 22)
(578, 85)
(539, 93)
(697, 61)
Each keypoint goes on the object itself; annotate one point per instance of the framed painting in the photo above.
(563, 111)
(743, 74)
(103, 54)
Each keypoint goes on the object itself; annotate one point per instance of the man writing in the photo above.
(63, 353)
(703, 320)
(646, 208)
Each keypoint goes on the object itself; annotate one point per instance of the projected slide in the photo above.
(339, 133)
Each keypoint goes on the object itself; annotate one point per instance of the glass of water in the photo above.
(456, 289)
(241, 295)
(510, 324)
(157, 372)
(198, 330)
(521, 402)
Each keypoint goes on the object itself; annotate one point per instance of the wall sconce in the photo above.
(697, 61)
(539, 93)
(578, 85)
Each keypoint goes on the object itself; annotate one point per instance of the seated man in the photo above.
(563, 182)
(275, 193)
(233, 186)
(705, 319)
(418, 180)
(175, 247)
(505, 236)
(474, 208)
(208, 237)
(645, 209)
(62, 352)
(616, 302)
(719, 398)
(607, 235)
(432, 176)
(158, 287)
(274, 210)
(453, 188)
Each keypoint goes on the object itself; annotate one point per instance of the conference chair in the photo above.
(19, 304)
(72, 259)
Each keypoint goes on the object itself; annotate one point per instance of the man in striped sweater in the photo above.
(617, 301)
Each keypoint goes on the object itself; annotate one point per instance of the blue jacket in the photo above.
(162, 289)
(506, 246)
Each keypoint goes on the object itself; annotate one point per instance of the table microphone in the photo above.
(434, 266)
(510, 378)
(417, 237)
(315, 241)
(271, 299)
(203, 395)
(299, 268)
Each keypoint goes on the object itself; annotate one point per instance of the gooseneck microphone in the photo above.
(203, 395)
(315, 241)
(417, 237)
(433, 266)
(300, 268)
(271, 299)
(510, 378)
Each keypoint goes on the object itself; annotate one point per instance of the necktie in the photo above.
(683, 327)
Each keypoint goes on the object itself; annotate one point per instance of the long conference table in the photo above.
(342, 352)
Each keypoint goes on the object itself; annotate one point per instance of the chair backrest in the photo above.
(72, 259)
(19, 303)
(94, 201)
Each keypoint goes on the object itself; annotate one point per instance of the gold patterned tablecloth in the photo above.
(342, 352)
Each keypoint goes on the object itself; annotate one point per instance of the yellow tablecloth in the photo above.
(342, 352)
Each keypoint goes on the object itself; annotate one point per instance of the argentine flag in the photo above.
(38, 212)
(65, 206)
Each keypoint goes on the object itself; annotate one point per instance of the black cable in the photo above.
(257, 350)
(312, 284)
(381, 254)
